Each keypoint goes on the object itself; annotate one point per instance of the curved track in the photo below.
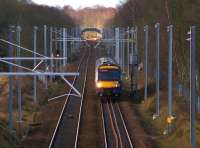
(66, 131)
(115, 131)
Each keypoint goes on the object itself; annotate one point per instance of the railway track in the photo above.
(67, 129)
(115, 132)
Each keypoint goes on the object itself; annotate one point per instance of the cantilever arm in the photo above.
(76, 91)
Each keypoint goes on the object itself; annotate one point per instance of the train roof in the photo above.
(106, 63)
(104, 60)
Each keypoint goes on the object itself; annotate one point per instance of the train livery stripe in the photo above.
(108, 67)
(108, 84)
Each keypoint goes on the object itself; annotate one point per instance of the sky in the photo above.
(78, 3)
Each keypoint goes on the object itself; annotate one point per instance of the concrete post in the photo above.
(19, 89)
(35, 77)
(157, 27)
(45, 53)
(193, 87)
(146, 44)
(117, 45)
(10, 96)
(170, 68)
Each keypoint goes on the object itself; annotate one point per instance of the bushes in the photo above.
(27, 15)
(13, 13)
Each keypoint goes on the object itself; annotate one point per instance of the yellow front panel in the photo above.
(108, 84)
(108, 67)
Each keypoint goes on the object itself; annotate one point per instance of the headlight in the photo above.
(98, 84)
(117, 84)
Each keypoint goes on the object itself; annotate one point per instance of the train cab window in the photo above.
(109, 75)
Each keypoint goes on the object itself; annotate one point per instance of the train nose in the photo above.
(108, 84)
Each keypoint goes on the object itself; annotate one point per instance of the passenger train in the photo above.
(108, 77)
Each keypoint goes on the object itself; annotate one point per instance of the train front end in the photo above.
(108, 80)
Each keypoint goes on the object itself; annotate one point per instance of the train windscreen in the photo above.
(109, 75)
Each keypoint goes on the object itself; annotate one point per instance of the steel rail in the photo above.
(104, 129)
(106, 110)
(112, 126)
(64, 106)
(116, 124)
(124, 124)
(115, 115)
(82, 98)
